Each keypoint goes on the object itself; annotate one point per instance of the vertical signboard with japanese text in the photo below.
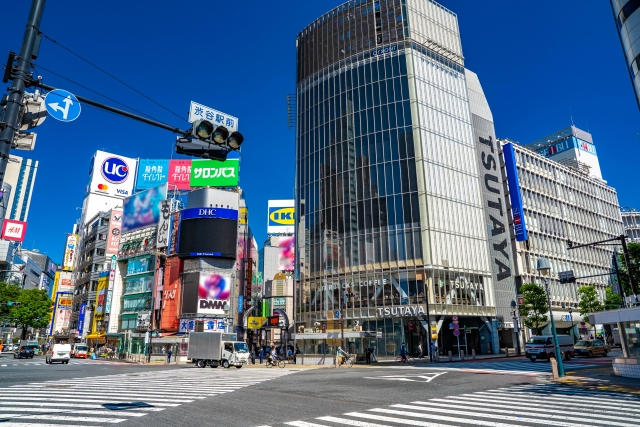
(515, 195)
(69, 252)
(164, 225)
(179, 174)
(113, 239)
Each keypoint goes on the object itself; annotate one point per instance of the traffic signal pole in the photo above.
(19, 78)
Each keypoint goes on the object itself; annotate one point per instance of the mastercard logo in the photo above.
(103, 187)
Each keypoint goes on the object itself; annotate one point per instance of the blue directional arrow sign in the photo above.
(62, 105)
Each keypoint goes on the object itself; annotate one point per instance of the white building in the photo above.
(562, 204)
(631, 222)
(21, 176)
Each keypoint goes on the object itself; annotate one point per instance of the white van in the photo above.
(541, 347)
(59, 353)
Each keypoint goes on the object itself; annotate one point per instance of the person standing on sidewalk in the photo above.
(261, 354)
(367, 355)
(420, 351)
(375, 353)
(169, 353)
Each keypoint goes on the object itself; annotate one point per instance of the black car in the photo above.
(24, 351)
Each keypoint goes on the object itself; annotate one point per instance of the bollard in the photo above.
(506, 350)
(462, 354)
(450, 356)
(554, 368)
(473, 353)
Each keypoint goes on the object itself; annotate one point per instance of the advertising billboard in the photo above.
(14, 230)
(281, 217)
(101, 293)
(179, 174)
(62, 311)
(286, 253)
(210, 325)
(69, 252)
(151, 173)
(213, 173)
(143, 209)
(115, 230)
(111, 175)
(164, 225)
(515, 195)
(214, 291)
(81, 316)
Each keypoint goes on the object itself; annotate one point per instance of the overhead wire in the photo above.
(96, 92)
(110, 75)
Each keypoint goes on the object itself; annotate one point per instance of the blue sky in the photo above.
(539, 63)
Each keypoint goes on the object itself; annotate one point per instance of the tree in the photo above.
(634, 258)
(589, 303)
(612, 301)
(8, 293)
(34, 310)
(535, 306)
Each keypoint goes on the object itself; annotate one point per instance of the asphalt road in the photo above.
(487, 393)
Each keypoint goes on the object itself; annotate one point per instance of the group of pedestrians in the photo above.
(271, 353)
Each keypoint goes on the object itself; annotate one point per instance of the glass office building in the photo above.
(626, 14)
(391, 230)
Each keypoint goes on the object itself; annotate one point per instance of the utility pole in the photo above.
(19, 77)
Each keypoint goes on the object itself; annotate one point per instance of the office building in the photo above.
(21, 176)
(631, 223)
(627, 18)
(392, 219)
(559, 204)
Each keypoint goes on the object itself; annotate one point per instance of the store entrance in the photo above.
(415, 334)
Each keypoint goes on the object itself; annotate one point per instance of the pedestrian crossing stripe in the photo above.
(83, 401)
(521, 367)
(529, 405)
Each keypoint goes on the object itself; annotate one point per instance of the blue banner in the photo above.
(221, 213)
(515, 195)
(151, 173)
(83, 308)
(240, 303)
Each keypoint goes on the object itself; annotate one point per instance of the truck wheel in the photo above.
(238, 366)
(213, 365)
(225, 364)
(200, 363)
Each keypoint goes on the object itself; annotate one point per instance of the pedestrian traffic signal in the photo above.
(324, 328)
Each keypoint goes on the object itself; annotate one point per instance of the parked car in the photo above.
(25, 351)
(542, 347)
(9, 348)
(80, 351)
(590, 348)
(59, 353)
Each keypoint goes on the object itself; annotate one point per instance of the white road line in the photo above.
(12, 424)
(474, 414)
(97, 399)
(76, 393)
(568, 393)
(64, 418)
(347, 422)
(411, 422)
(71, 405)
(529, 413)
(124, 413)
(305, 424)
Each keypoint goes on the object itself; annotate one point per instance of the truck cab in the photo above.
(236, 353)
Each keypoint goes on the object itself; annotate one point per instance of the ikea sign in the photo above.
(281, 216)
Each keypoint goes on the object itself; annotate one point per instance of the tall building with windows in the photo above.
(21, 175)
(562, 203)
(391, 214)
(631, 221)
(626, 15)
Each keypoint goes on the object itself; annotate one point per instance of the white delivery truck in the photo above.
(216, 348)
(542, 347)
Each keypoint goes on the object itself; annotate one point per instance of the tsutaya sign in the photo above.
(409, 310)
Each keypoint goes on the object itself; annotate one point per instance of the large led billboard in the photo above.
(281, 217)
(143, 209)
(286, 253)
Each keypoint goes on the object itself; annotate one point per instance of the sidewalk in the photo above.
(601, 379)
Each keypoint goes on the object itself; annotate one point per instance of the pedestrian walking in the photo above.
(374, 354)
(261, 354)
(367, 355)
(253, 357)
(420, 351)
(169, 353)
(434, 351)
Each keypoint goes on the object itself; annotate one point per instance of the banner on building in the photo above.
(81, 316)
(14, 230)
(101, 293)
(69, 252)
(213, 173)
(210, 325)
(515, 194)
(143, 209)
(115, 225)
(281, 216)
(151, 173)
(164, 225)
(179, 175)
(214, 291)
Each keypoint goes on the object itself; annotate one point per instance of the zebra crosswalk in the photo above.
(513, 367)
(112, 399)
(528, 405)
(18, 362)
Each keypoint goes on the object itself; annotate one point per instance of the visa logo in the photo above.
(283, 216)
(120, 191)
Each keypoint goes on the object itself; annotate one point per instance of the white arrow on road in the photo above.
(65, 111)
(418, 378)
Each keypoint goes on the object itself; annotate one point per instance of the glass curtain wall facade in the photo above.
(388, 199)
(626, 14)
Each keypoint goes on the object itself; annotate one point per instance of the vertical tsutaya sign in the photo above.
(213, 173)
(519, 225)
(164, 225)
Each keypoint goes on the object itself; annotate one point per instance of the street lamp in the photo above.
(544, 268)
(571, 316)
(516, 329)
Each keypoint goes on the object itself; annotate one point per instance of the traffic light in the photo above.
(570, 243)
(324, 328)
(206, 131)
(410, 326)
(567, 280)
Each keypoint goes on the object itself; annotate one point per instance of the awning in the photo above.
(114, 335)
(95, 336)
(333, 335)
(615, 316)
